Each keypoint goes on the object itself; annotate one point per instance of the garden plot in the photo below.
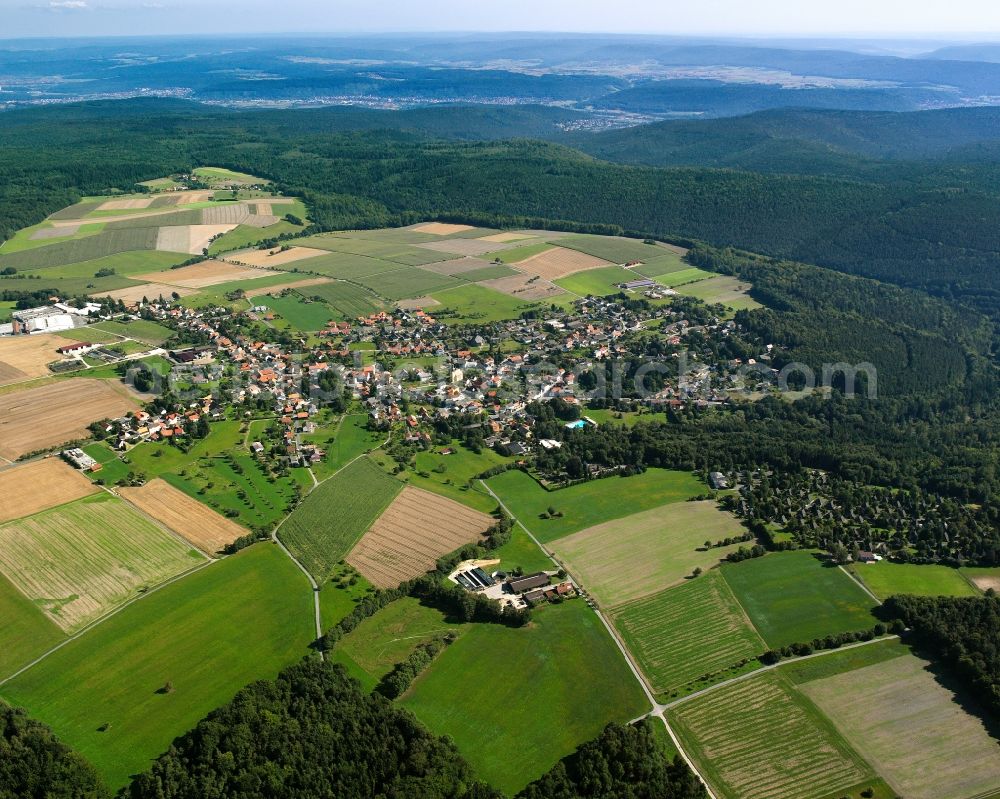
(206, 273)
(79, 560)
(190, 519)
(46, 416)
(40, 485)
(558, 262)
(758, 739)
(921, 741)
(524, 287)
(413, 532)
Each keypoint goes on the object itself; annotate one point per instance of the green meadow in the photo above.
(793, 597)
(885, 579)
(586, 504)
(241, 619)
(515, 701)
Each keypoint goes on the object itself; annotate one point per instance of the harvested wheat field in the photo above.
(125, 205)
(190, 519)
(524, 287)
(273, 257)
(417, 303)
(27, 357)
(40, 485)
(44, 417)
(262, 209)
(413, 532)
(294, 284)
(79, 560)
(197, 196)
(207, 273)
(149, 290)
(506, 238)
(440, 228)
(559, 262)
(191, 239)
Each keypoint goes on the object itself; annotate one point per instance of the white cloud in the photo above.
(68, 5)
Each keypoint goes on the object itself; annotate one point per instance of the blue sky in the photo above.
(958, 18)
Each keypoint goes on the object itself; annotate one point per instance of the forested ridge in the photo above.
(928, 224)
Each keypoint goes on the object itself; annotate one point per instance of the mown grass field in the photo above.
(403, 283)
(516, 701)
(139, 329)
(760, 739)
(209, 634)
(395, 251)
(331, 519)
(686, 632)
(474, 303)
(79, 560)
(885, 579)
(522, 251)
(724, 289)
(25, 632)
(612, 248)
(214, 174)
(244, 236)
(911, 728)
(637, 555)
(371, 650)
(99, 245)
(299, 313)
(792, 597)
(453, 475)
(597, 282)
(662, 262)
(590, 503)
(343, 440)
(521, 552)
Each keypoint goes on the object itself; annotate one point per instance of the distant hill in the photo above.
(799, 140)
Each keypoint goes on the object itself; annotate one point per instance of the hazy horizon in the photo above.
(964, 20)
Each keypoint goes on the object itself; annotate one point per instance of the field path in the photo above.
(303, 569)
(657, 708)
(104, 618)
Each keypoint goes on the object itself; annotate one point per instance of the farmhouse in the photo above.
(519, 585)
(76, 348)
(81, 460)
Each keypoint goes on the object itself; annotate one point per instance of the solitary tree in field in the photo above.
(696, 572)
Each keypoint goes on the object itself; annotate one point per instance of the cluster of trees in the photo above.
(34, 765)
(624, 762)
(310, 733)
(803, 648)
(829, 512)
(396, 682)
(962, 634)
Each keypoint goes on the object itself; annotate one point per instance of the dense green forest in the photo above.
(34, 765)
(622, 762)
(961, 634)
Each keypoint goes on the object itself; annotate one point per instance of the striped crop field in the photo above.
(685, 632)
(79, 560)
(331, 520)
(760, 739)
